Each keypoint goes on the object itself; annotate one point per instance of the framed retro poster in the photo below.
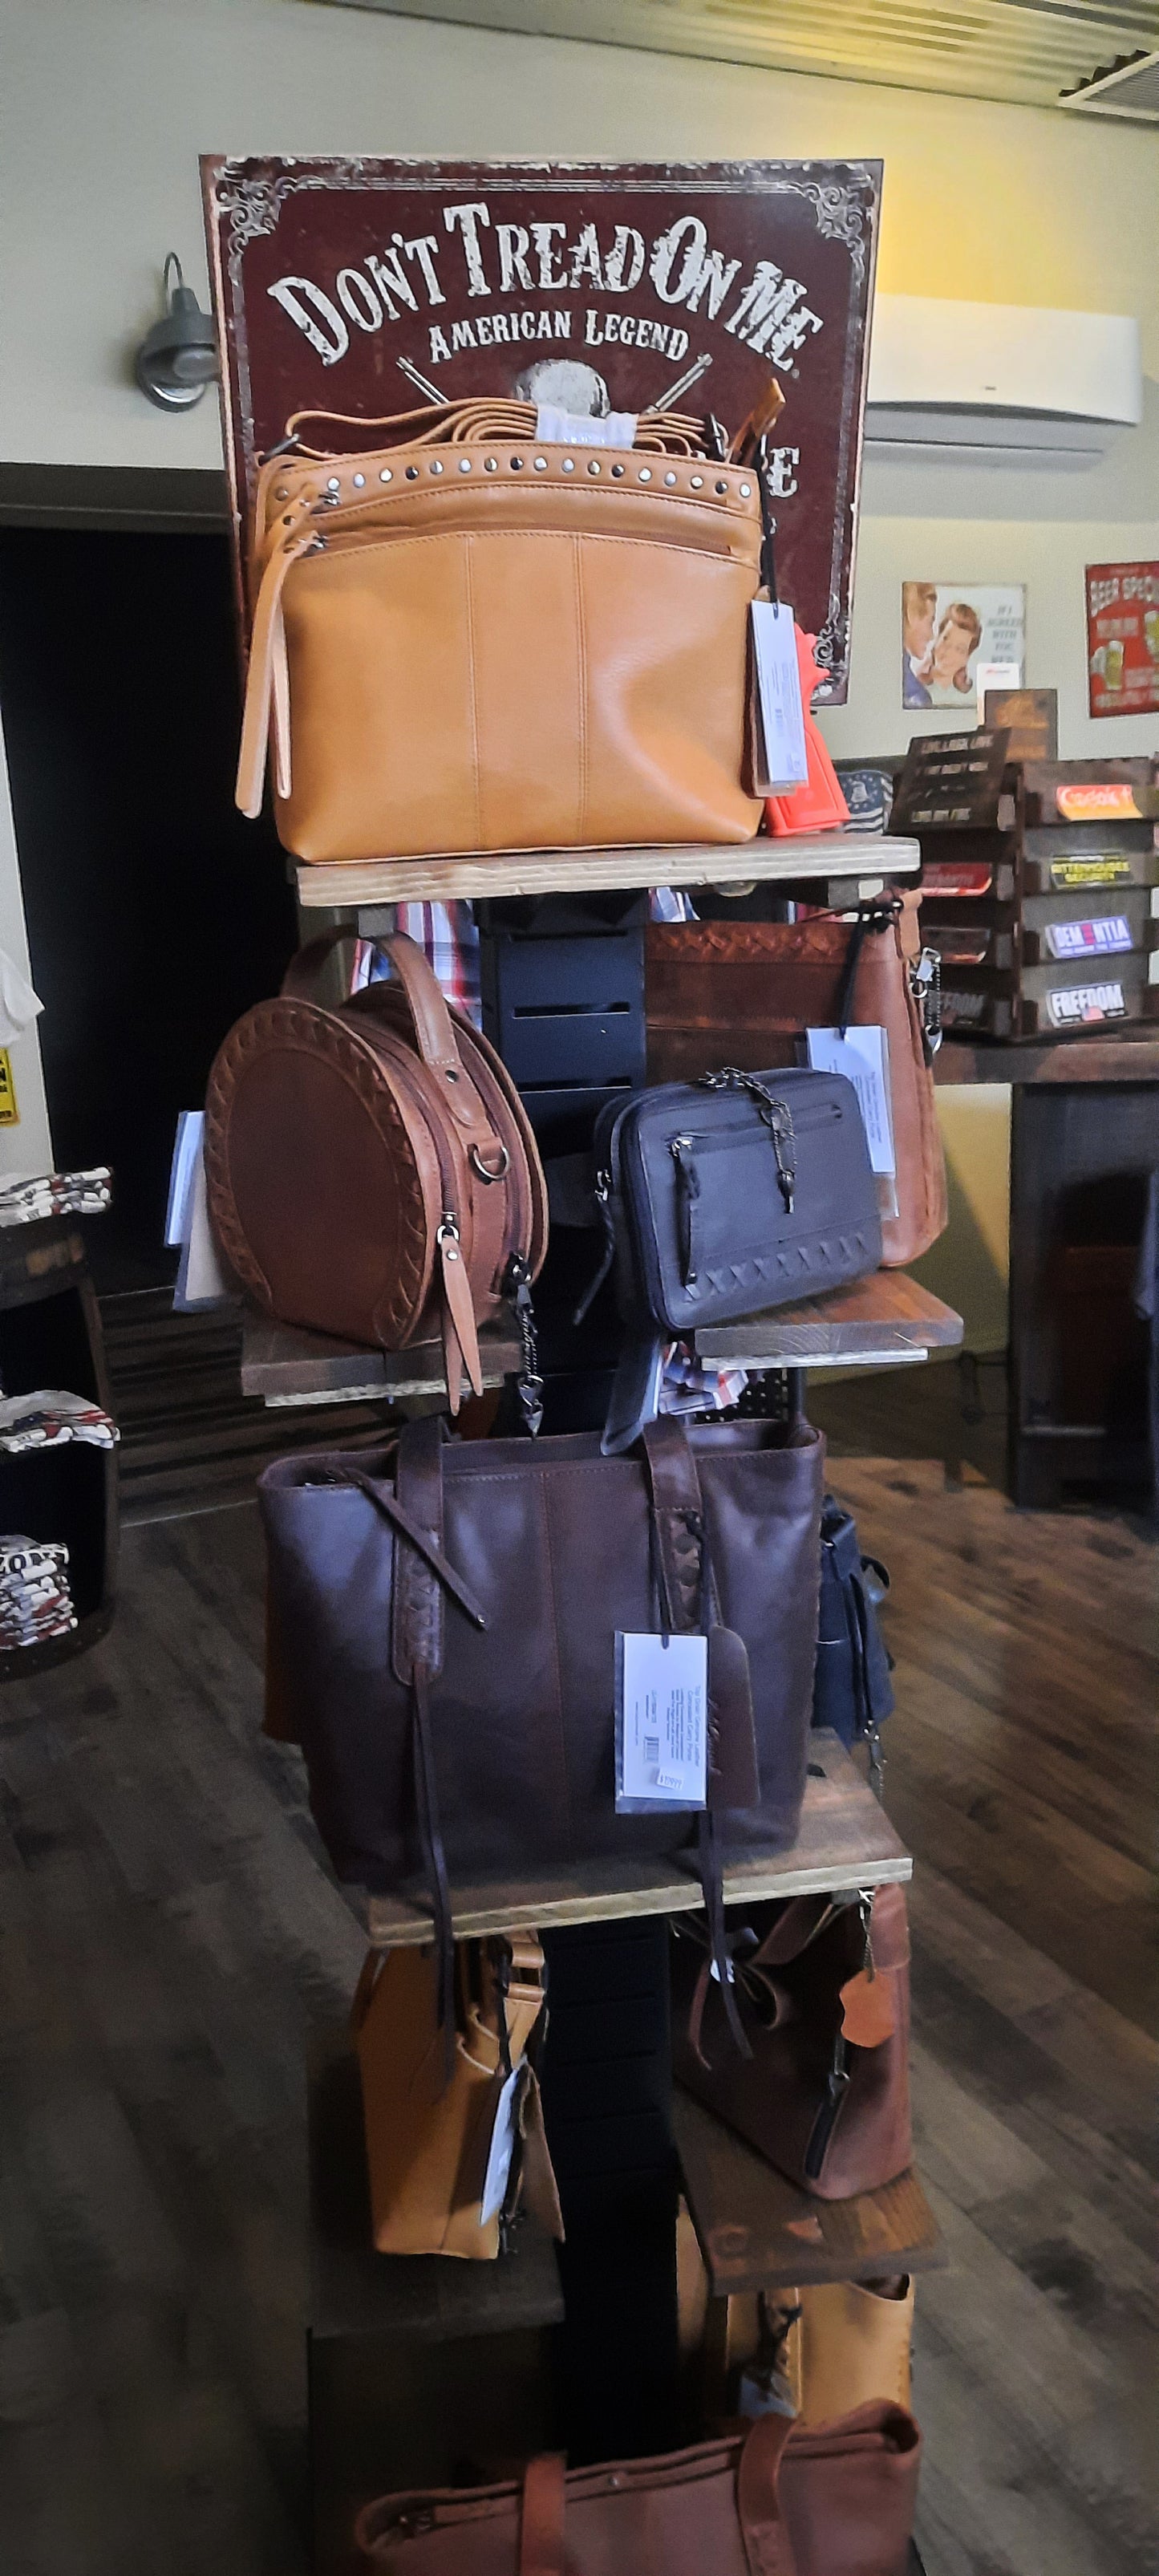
(1123, 639)
(370, 287)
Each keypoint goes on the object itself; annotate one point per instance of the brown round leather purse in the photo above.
(370, 1169)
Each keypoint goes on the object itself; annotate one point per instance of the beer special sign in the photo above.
(370, 287)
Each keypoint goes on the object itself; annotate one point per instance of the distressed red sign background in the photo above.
(1123, 638)
(334, 278)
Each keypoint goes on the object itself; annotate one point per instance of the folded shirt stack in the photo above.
(48, 1416)
(23, 1200)
(35, 1598)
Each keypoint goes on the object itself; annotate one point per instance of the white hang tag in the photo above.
(581, 429)
(661, 1722)
(784, 762)
(502, 2148)
(862, 1055)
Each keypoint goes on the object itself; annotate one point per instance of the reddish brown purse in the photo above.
(822, 1989)
(744, 992)
(771, 2500)
(371, 1171)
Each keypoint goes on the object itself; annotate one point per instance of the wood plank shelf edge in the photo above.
(350, 885)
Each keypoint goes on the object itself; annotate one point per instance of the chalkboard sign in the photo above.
(951, 780)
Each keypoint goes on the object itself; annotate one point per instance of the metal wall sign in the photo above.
(368, 287)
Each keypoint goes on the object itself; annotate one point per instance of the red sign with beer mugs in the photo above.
(1123, 638)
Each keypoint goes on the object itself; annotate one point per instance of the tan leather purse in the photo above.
(429, 2134)
(465, 638)
(371, 1171)
(744, 992)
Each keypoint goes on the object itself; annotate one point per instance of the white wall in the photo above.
(27, 1147)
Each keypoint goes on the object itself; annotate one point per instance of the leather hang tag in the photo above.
(733, 1776)
(867, 2013)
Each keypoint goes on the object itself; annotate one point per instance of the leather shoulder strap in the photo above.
(541, 2521)
(678, 1519)
(766, 2540)
(417, 1606)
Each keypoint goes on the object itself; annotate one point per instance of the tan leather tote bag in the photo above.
(371, 1171)
(429, 2129)
(744, 992)
(772, 2500)
(467, 639)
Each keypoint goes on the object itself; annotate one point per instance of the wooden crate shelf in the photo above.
(883, 1319)
(845, 1841)
(286, 1366)
(757, 2231)
(353, 886)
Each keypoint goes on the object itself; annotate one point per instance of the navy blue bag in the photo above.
(852, 1691)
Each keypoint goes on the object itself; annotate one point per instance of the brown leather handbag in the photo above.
(443, 1626)
(821, 1985)
(371, 1171)
(746, 991)
(467, 639)
(769, 2500)
(430, 2137)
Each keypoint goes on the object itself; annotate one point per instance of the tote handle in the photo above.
(762, 2526)
(425, 1000)
(542, 2546)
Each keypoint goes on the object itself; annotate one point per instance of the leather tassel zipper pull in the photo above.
(460, 1339)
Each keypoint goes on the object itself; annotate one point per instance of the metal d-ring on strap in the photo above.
(478, 1165)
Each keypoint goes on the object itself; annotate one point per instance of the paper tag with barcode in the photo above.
(781, 755)
(502, 2148)
(661, 1722)
(581, 429)
(862, 1055)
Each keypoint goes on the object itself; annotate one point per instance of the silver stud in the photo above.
(568, 465)
(333, 485)
(516, 464)
(283, 492)
(384, 474)
(412, 474)
(490, 465)
(645, 474)
(594, 466)
(670, 478)
(436, 467)
(720, 487)
(698, 482)
(745, 490)
(617, 471)
(359, 480)
(540, 464)
(464, 465)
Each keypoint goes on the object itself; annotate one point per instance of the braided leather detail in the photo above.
(290, 1023)
(417, 1614)
(683, 1549)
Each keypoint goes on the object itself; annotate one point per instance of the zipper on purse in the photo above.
(687, 1194)
(516, 1284)
(776, 1116)
(836, 2088)
(925, 983)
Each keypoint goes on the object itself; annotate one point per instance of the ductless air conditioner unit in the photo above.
(1004, 384)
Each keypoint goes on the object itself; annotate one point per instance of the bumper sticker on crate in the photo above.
(1079, 1005)
(1103, 937)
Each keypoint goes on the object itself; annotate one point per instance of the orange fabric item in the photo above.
(819, 805)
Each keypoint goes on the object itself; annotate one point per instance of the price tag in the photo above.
(781, 755)
(862, 1055)
(502, 2148)
(555, 428)
(661, 1728)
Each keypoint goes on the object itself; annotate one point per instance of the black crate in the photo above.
(567, 1017)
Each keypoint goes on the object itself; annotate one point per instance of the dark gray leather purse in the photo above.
(722, 1197)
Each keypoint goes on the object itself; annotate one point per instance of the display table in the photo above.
(1084, 1140)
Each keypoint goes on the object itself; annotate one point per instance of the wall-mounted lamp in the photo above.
(177, 359)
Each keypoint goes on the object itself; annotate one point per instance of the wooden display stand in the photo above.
(857, 861)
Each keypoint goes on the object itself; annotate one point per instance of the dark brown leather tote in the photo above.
(371, 1171)
(775, 2499)
(821, 1985)
(744, 992)
(442, 1642)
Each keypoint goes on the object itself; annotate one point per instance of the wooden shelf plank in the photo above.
(350, 885)
(288, 1366)
(1122, 1058)
(887, 1316)
(845, 1841)
(757, 2231)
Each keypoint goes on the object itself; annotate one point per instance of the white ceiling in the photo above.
(1027, 50)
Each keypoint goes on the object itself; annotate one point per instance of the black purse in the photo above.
(723, 1197)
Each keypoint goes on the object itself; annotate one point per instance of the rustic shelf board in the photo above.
(1121, 1058)
(882, 1318)
(288, 1366)
(845, 1841)
(347, 886)
(757, 2231)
